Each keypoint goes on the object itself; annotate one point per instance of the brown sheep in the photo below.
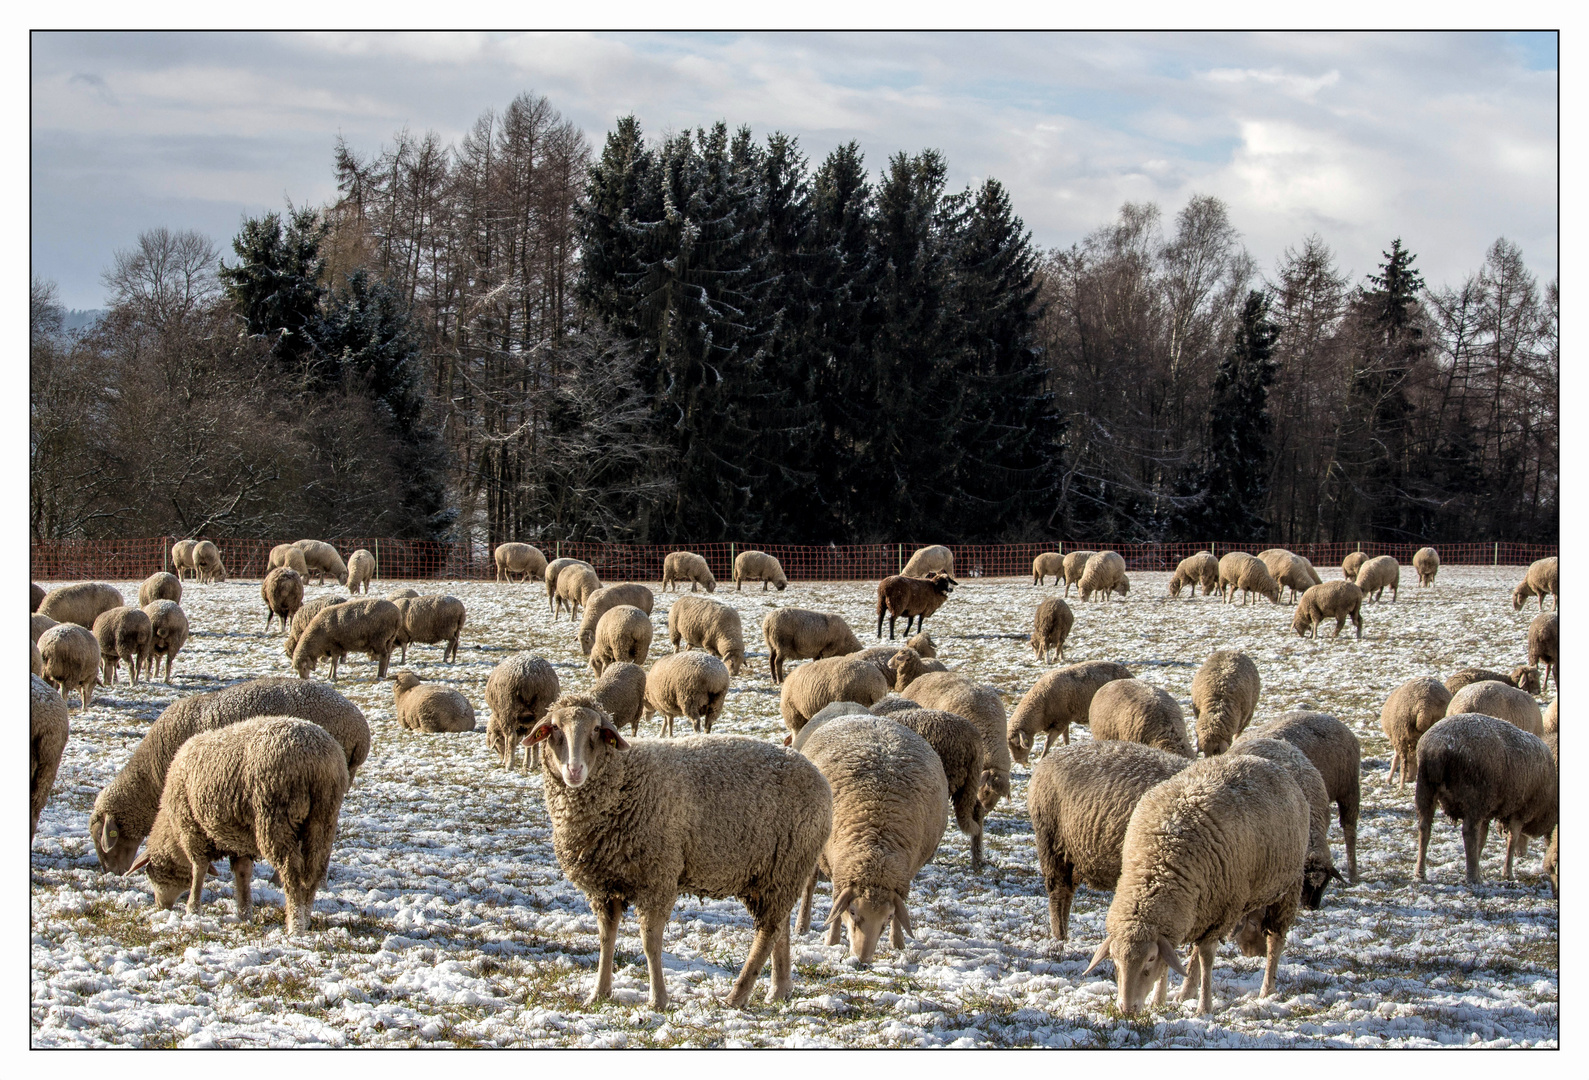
(914, 598)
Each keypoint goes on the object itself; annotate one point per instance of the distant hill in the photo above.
(78, 319)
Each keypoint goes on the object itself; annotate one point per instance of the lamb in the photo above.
(38, 595)
(1544, 633)
(71, 660)
(81, 603)
(1338, 756)
(800, 634)
(124, 811)
(949, 691)
(574, 586)
(182, 558)
(1104, 573)
(1224, 694)
(927, 560)
(1075, 564)
(1501, 701)
(430, 707)
(1130, 710)
(38, 624)
(1352, 564)
(289, 556)
(621, 693)
(1523, 677)
(1057, 700)
(1378, 574)
(304, 616)
(519, 691)
(368, 625)
(168, 625)
(1543, 577)
(282, 591)
(640, 823)
(1222, 838)
(1317, 866)
(604, 599)
(624, 633)
(811, 686)
(1194, 570)
(123, 633)
(361, 568)
(923, 644)
(1049, 562)
(890, 809)
(1480, 769)
(268, 788)
(1426, 560)
(554, 570)
(207, 563)
(430, 620)
(322, 560)
(1050, 627)
(525, 560)
(49, 725)
(1080, 801)
(1338, 600)
(708, 624)
(159, 586)
(1412, 709)
(959, 748)
(914, 598)
(682, 566)
(758, 566)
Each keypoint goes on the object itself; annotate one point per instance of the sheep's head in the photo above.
(907, 667)
(1020, 742)
(1250, 936)
(1271, 589)
(1176, 584)
(866, 913)
(403, 682)
(942, 582)
(579, 735)
(1316, 875)
(1521, 594)
(1301, 623)
(735, 660)
(1140, 960)
(1526, 678)
(1123, 586)
(116, 847)
(169, 873)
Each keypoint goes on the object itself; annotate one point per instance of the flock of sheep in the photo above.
(885, 746)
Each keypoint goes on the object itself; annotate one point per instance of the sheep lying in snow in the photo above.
(907, 665)
(430, 707)
(952, 692)
(689, 684)
(1104, 573)
(519, 690)
(959, 748)
(575, 585)
(699, 622)
(1378, 574)
(322, 560)
(641, 823)
(621, 693)
(38, 595)
(1501, 701)
(430, 620)
(554, 570)
(758, 566)
(923, 644)
(1523, 677)
(1222, 838)
(800, 634)
(1479, 769)
(1049, 562)
(207, 563)
(368, 625)
(890, 809)
(1075, 564)
(290, 556)
(681, 566)
(1050, 627)
(1130, 710)
(1352, 564)
(49, 725)
(603, 600)
(1080, 800)
(1224, 695)
(268, 788)
(914, 598)
(1317, 868)
(1544, 635)
(1426, 561)
(124, 810)
(361, 569)
(71, 660)
(1543, 577)
(928, 560)
(812, 686)
(81, 603)
(1338, 600)
(525, 560)
(303, 617)
(1338, 756)
(182, 558)
(159, 586)
(1412, 709)
(1057, 700)
(624, 634)
(123, 633)
(1194, 570)
(282, 591)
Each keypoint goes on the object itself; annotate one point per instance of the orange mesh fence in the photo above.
(133, 559)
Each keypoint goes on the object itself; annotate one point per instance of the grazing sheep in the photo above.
(207, 561)
(1080, 801)
(38, 596)
(624, 633)
(289, 556)
(682, 566)
(621, 693)
(1222, 838)
(1057, 700)
(1338, 756)
(1543, 577)
(1104, 573)
(1352, 564)
(159, 586)
(801, 634)
(1317, 868)
(689, 684)
(430, 620)
(1412, 709)
(927, 560)
(40, 623)
(1523, 677)
(605, 599)
(640, 823)
(1289, 570)
(1544, 633)
(168, 625)
(1130, 710)
(923, 644)
(1049, 562)
(1338, 600)
(890, 809)
(1480, 769)
(182, 558)
(708, 624)
(1501, 701)
(71, 660)
(554, 570)
(268, 788)
(837, 678)
(322, 560)
(519, 690)
(123, 633)
(1426, 560)
(1224, 694)
(361, 568)
(430, 707)
(1550, 722)
(1050, 627)
(368, 625)
(282, 591)
(914, 598)
(959, 748)
(575, 584)
(1378, 574)
(1075, 565)
(1231, 565)
(1194, 570)
(950, 691)
(49, 725)
(1238, 570)
(304, 616)
(125, 809)
(81, 603)
(525, 560)
(758, 566)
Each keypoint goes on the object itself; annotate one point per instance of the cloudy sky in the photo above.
(1446, 140)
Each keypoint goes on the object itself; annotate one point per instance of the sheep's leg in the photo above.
(1426, 822)
(764, 942)
(1162, 988)
(1395, 763)
(1349, 831)
(782, 969)
(609, 913)
(803, 922)
(1193, 970)
(1059, 911)
(243, 886)
(653, 918)
(1473, 837)
(1048, 742)
(976, 849)
(1275, 940)
(196, 887)
(1205, 995)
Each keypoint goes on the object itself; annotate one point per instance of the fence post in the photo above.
(1359, 545)
(377, 559)
(731, 554)
(1497, 554)
(900, 555)
(557, 552)
(165, 552)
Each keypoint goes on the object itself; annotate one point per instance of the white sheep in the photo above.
(1411, 709)
(933, 559)
(1057, 700)
(1104, 573)
(49, 726)
(1130, 710)
(701, 622)
(1378, 574)
(810, 687)
(682, 566)
(1049, 562)
(800, 634)
(758, 566)
(361, 569)
(1426, 560)
(691, 684)
(525, 560)
(1501, 701)
(1224, 696)
(71, 660)
(623, 634)
(430, 707)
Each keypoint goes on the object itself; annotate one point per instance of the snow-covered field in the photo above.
(446, 920)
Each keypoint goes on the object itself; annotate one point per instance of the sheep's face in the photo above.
(780, 584)
(403, 682)
(1020, 743)
(1215, 745)
(866, 915)
(1250, 937)
(587, 638)
(1140, 962)
(735, 660)
(1301, 624)
(1176, 584)
(1315, 879)
(578, 739)
(116, 849)
(1520, 595)
(1526, 678)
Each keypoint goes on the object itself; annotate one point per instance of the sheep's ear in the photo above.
(1099, 956)
(108, 833)
(903, 915)
(143, 861)
(841, 902)
(610, 736)
(210, 871)
(788, 740)
(1025, 739)
(1167, 951)
(542, 732)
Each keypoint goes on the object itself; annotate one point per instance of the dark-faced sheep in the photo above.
(1318, 868)
(368, 625)
(1412, 709)
(519, 690)
(282, 591)
(928, 560)
(159, 586)
(1426, 561)
(681, 566)
(914, 598)
(1338, 600)
(758, 566)
(81, 603)
(123, 633)
(1050, 627)
(71, 660)
(605, 599)
(800, 634)
(1544, 635)
(523, 560)
(1075, 563)
(1543, 578)
(49, 725)
(700, 622)
(1048, 563)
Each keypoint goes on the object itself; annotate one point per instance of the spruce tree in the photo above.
(276, 288)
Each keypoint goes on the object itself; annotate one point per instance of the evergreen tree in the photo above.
(276, 289)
